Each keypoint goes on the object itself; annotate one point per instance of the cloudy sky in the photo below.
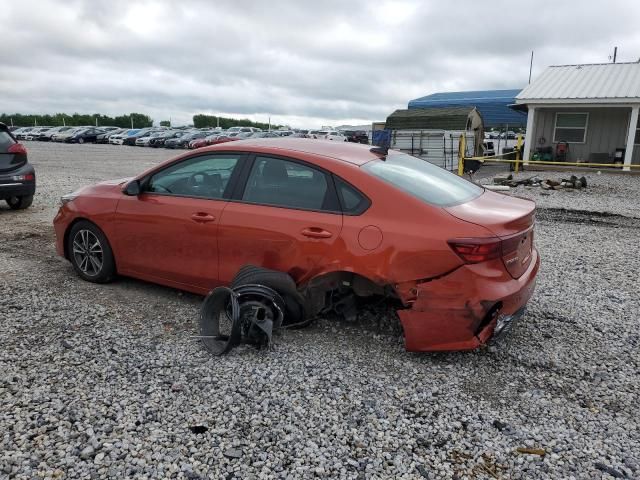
(302, 63)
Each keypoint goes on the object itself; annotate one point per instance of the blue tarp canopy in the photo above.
(493, 105)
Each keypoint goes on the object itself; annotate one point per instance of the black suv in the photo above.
(356, 136)
(17, 176)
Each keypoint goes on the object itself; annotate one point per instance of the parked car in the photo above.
(48, 134)
(318, 133)
(159, 140)
(34, 134)
(17, 175)
(508, 135)
(20, 133)
(183, 141)
(265, 135)
(62, 136)
(202, 142)
(118, 139)
(356, 136)
(87, 135)
(104, 137)
(130, 140)
(457, 261)
(335, 135)
(300, 135)
(144, 140)
(223, 139)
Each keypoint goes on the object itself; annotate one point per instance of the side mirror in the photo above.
(132, 189)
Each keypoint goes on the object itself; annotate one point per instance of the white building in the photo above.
(594, 108)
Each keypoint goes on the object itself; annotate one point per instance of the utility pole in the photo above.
(131, 117)
(530, 66)
(269, 123)
(615, 54)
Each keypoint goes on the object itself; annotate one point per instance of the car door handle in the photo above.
(202, 217)
(315, 232)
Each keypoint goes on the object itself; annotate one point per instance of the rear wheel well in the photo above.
(341, 291)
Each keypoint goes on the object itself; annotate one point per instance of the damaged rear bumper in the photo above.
(466, 308)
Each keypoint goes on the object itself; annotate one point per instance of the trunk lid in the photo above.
(509, 218)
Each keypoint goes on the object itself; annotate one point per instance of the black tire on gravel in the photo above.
(20, 203)
(107, 270)
(278, 281)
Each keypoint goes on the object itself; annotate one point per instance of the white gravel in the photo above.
(108, 381)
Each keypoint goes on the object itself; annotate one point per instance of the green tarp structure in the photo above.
(445, 118)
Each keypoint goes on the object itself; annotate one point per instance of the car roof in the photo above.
(354, 153)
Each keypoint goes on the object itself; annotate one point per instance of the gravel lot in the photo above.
(108, 381)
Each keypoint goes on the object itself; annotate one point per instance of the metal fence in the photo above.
(439, 147)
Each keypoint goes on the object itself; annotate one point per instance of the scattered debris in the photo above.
(532, 451)
(198, 429)
(611, 471)
(66, 345)
(501, 181)
(244, 314)
(499, 425)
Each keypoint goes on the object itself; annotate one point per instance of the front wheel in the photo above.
(90, 253)
(20, 203)
(81, 140)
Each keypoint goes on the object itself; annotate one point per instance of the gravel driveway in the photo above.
(108, 381)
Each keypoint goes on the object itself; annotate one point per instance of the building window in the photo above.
(571, 127)
(637, 141)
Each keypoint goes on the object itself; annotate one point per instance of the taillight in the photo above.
(17, 148)
(476, 250)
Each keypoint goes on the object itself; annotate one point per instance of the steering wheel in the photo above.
(162, 188)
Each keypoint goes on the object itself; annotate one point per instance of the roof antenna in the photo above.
(382, 148)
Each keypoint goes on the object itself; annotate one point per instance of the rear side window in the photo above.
(281, 183)
(5, 141)
(353, 202)
(423, 180)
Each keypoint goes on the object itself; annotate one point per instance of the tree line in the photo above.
(204, 121)
(139, 120)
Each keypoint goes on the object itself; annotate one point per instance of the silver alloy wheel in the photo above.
(87, 253)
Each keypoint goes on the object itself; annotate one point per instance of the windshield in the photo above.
(423, 180)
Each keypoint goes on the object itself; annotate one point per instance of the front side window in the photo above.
(204, 176)
(570, 127)
(282, 183)
(423, 180)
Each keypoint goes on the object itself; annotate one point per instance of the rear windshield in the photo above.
(423, 180)
(5, 141)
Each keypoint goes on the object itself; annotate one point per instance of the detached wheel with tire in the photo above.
(20, 203)
(90, 253)
(280, 282)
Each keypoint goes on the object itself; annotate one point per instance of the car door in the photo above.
(168, 233)
(284, 215)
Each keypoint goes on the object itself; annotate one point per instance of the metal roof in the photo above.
(591, 83)
(441, 118)
(493, 105)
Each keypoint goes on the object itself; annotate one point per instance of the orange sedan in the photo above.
(344, 220)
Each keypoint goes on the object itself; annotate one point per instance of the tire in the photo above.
(278, 281)
(20, 203)
(81, 140)
(98, 267)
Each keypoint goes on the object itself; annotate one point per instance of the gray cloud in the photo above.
(299, 62)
